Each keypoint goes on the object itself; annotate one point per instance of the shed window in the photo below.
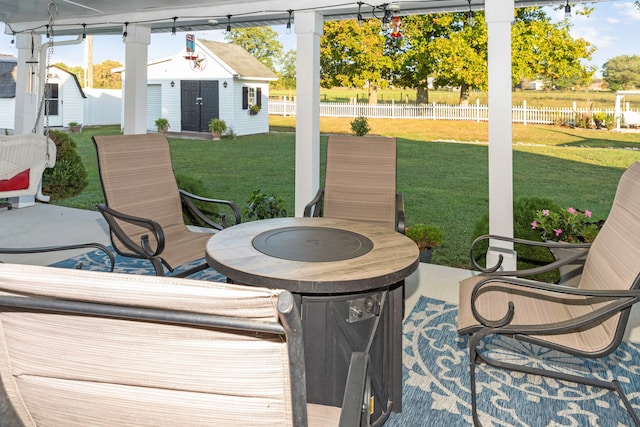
(251, 96)
(51, 104)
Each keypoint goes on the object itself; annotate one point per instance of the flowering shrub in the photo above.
(569, 225)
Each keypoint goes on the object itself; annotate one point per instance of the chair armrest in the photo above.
(355, 404)
(314, 207)
(111, 215)
(187, 199)
(620, 300)
(18, 251)
(400, 223)
(531, 271)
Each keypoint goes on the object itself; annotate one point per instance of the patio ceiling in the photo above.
(108, 17)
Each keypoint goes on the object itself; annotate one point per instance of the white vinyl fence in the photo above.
(472, 112)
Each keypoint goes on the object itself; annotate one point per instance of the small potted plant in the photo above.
(261, 206)
(163, 125)
(75, 127)
(217, 127)
(254, 109)
(426, 237)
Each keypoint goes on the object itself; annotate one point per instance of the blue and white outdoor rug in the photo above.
(436, 380)
(97, 260)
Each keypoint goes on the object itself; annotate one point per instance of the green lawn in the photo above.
(442, 169)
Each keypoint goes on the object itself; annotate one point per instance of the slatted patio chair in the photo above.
(587, 321)
(85, 348)
(360, 182)
(144, 204)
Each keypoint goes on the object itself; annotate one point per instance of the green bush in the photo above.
(261, 206)
(360, 126)
(196, 186)
(68, 177)
(524, 210)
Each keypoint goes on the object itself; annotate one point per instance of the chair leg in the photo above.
(477, 358)
(157, 266)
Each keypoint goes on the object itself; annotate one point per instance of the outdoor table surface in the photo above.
(392, 258)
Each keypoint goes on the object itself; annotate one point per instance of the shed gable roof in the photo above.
(239, 60)
(8, 65)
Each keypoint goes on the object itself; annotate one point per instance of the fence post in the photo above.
(524, 112)
(477, 110)
(284, 106)
(355, 107)
(434, 111)
(393, 108)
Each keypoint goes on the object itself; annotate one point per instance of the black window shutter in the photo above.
(259, 97)
(245, 97)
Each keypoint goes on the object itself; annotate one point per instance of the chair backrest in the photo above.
(613, 261)
(80, 348)
(360, 180)
(137, 179)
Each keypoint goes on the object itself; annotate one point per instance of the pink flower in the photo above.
(545, 212)
(558, 231)
(534, 225)
(587, 213)
(571, 211)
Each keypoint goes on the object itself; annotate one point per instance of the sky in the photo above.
(613, 27)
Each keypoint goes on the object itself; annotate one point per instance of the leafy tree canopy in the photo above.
(261, 42)
(103, 78)
(622, 72)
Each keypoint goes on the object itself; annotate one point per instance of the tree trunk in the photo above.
(373, 94)
(464, 94)
(422, 95)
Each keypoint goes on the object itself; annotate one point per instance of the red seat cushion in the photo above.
(17, 182)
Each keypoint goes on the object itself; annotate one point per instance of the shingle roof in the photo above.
(8, 65)
(239, 60)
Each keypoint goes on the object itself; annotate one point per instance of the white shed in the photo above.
(214, 80)
(65, 100)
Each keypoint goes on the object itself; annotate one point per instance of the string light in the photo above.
(289, 22)
(125, 33)
(567, 11)
(173, 28)
(470, 15)
(13, 38)
(360, 20)
(84, 31)
(386, 18)
(48, 33)
(228, 24)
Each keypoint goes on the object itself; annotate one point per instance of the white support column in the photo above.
(308, 27)
(135, 88)
(499, 16)
(27, 82)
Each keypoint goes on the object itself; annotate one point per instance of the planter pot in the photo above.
(216, 135)
(75, 129)
(425, 256)
(570, 274)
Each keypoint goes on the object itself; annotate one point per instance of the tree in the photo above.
(103, 78)
(261, 42)
(417, 65)
(287, 74)
(77, 70)
(622, 72)
(354, 56)
(461, 54)
(545, 50)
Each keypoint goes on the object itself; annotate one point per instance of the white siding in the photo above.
(7, 113)
(154, 106)
(246, 124)
(102, 107)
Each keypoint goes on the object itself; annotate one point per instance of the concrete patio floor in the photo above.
(49, 225)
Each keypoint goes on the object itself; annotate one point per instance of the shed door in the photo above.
(199, 104)
(154, 105)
